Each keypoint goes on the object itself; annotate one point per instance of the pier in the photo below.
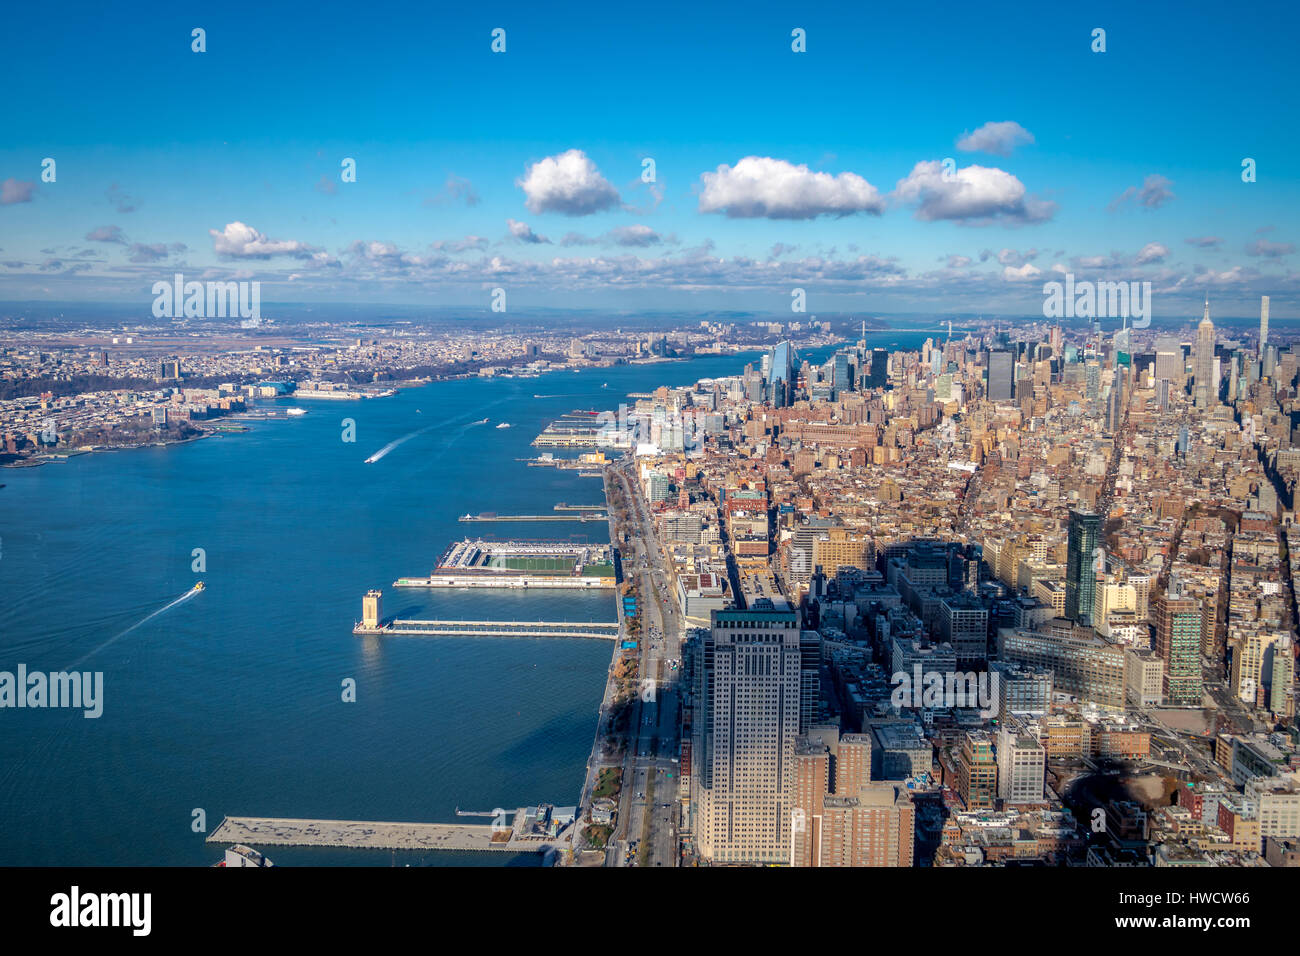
(593, 629)
(378, 835)
(577, 516)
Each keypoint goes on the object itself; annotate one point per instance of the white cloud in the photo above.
(973, 195)
(997, 138)
(459, 245)
(1010, 257)
(569, 184)
(240, 241)
(763, 187)
(1026, 271)
(524, 232)
(107, 234)
(637, 235)
(1153, 193)
(1269, 250)
(15, 191)
(1152, 252)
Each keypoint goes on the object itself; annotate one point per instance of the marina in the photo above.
(583, 429)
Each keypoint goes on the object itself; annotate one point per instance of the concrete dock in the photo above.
(388, 835)
(598, 629)
(364, 834)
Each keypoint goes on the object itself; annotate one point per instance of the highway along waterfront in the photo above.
(231, 703)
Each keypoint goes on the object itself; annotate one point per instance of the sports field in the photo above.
(531, 562)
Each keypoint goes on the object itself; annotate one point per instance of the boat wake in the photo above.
(140, 623)
(393, 444)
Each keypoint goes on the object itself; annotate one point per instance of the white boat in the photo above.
(504, 425)
(295, 411)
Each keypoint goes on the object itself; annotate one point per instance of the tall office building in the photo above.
(744, 740)
(1282, 690)
(840, 380)
(1252, 664)
(879, 374)
(1092, 380)
(1001, 369)
(1022, 765)
(1205, 386)
(780, 375)
(1178, 642)
(964, 623)
(1115, 400)
(1263, 324)
(1080, 572)
(977, 771)
(1169, 359)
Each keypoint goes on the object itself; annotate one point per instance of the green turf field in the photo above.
(531, 562)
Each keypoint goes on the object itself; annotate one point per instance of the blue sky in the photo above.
(226, 163)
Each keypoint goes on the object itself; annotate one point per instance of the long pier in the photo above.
(377, 835)
(593, 629)
(577, 516)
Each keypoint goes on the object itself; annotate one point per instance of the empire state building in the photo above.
(1205, 389)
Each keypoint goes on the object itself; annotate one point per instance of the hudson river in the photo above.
(230, 702)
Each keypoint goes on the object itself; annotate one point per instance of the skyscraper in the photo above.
(1206, 388)
(840, 381)
(1263, 324)
(1169, 359)
(879, 373)
(1115, 400)
(1178, 642)
(1001, 367)
(780, 375)
(749, 691)
(1080, 568)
